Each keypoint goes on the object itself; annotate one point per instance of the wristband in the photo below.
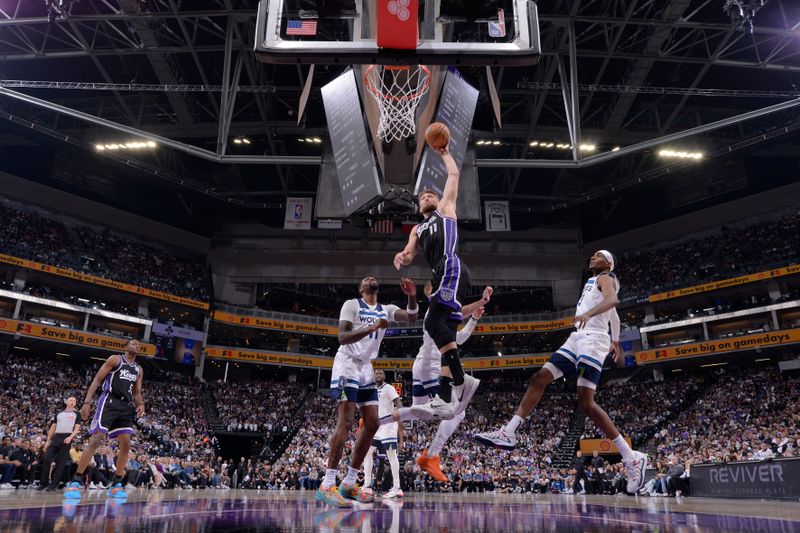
(412, 311)
(473, 318)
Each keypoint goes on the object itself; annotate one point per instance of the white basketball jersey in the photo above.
(362, 316)
(386, 396)
(591, 296)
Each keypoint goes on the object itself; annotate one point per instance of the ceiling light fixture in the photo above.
(680, 154)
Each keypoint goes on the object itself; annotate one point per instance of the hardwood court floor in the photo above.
(236, 510)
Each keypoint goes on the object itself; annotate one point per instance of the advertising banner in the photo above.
(775, 479)
(271, 323)
(730, 282)
(70, 336)
(95, 280)
(733, 344)
(403, 363)
(601, 446)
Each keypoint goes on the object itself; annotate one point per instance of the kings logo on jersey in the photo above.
(127, 375)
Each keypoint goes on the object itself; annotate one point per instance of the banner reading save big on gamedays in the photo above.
(733, 344)
(324, 329)
(730, 282)
(70, 336)
(96, 280)
(310, 361)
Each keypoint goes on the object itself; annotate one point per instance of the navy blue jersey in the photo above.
(120, 381)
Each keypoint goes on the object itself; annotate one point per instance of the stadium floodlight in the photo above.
(496, 143)
(129, 145)
(680, 154)
(588, 148)
(534, 143)
(615, 149)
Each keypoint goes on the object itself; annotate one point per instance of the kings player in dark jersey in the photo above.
(437, 236)
(120, 384)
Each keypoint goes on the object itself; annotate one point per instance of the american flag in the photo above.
(301, 27)
(383, 226)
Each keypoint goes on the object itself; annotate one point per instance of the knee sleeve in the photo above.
(453, 362)
(445, 388)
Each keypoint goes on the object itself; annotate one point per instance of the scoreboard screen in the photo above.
(356, 168)
(456, 109)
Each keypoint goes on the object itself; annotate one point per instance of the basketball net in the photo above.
(397, 91)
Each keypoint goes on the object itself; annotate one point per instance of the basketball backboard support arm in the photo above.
(272, 47)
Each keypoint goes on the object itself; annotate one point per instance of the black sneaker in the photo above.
(41, 487)
(50, 488)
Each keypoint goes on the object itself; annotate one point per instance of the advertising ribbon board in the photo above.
(96, 280)
(70, 336)
(733, 344)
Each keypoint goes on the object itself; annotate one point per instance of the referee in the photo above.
(63, 429)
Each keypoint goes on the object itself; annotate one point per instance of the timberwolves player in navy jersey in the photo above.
(120, 381)
(583, 355)
(437, 235)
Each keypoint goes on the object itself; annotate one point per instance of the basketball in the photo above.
(437, 135)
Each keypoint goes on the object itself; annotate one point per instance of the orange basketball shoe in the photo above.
(431, 466)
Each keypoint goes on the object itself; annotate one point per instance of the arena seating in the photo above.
(719, 254)
(32, 235)
(716, 416)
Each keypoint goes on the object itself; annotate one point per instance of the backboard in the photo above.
(449, 32)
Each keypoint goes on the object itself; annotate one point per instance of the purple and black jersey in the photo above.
(438, 238)
(120, 381)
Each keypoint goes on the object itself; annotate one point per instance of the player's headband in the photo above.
(609, 257)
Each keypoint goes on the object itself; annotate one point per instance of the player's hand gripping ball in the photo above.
(437, 135)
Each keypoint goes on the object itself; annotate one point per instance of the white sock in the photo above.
(351, 477)
(368, 467)
(622, 446)
(330, 478)
(512, 426)
(445, 431)
(394, 462)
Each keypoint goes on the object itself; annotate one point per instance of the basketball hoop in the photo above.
(397, 90)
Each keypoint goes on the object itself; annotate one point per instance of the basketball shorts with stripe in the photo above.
(114, 416)
(425, 374)
(353, 380)
(583, 354)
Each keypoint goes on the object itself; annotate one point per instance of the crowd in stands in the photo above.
(720, 254)
(721, 416)
(258, 406)
(31, 235)
(743, 415)
(638, 409)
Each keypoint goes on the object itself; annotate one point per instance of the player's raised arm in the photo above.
(447, 205)
(410, 313)
(610, 300)
(470, 308)
(407, 255)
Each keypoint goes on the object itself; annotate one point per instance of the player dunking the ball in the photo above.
(426, 372)
(121, 381)
(583, 355)
(362, 325)
(437, 235)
